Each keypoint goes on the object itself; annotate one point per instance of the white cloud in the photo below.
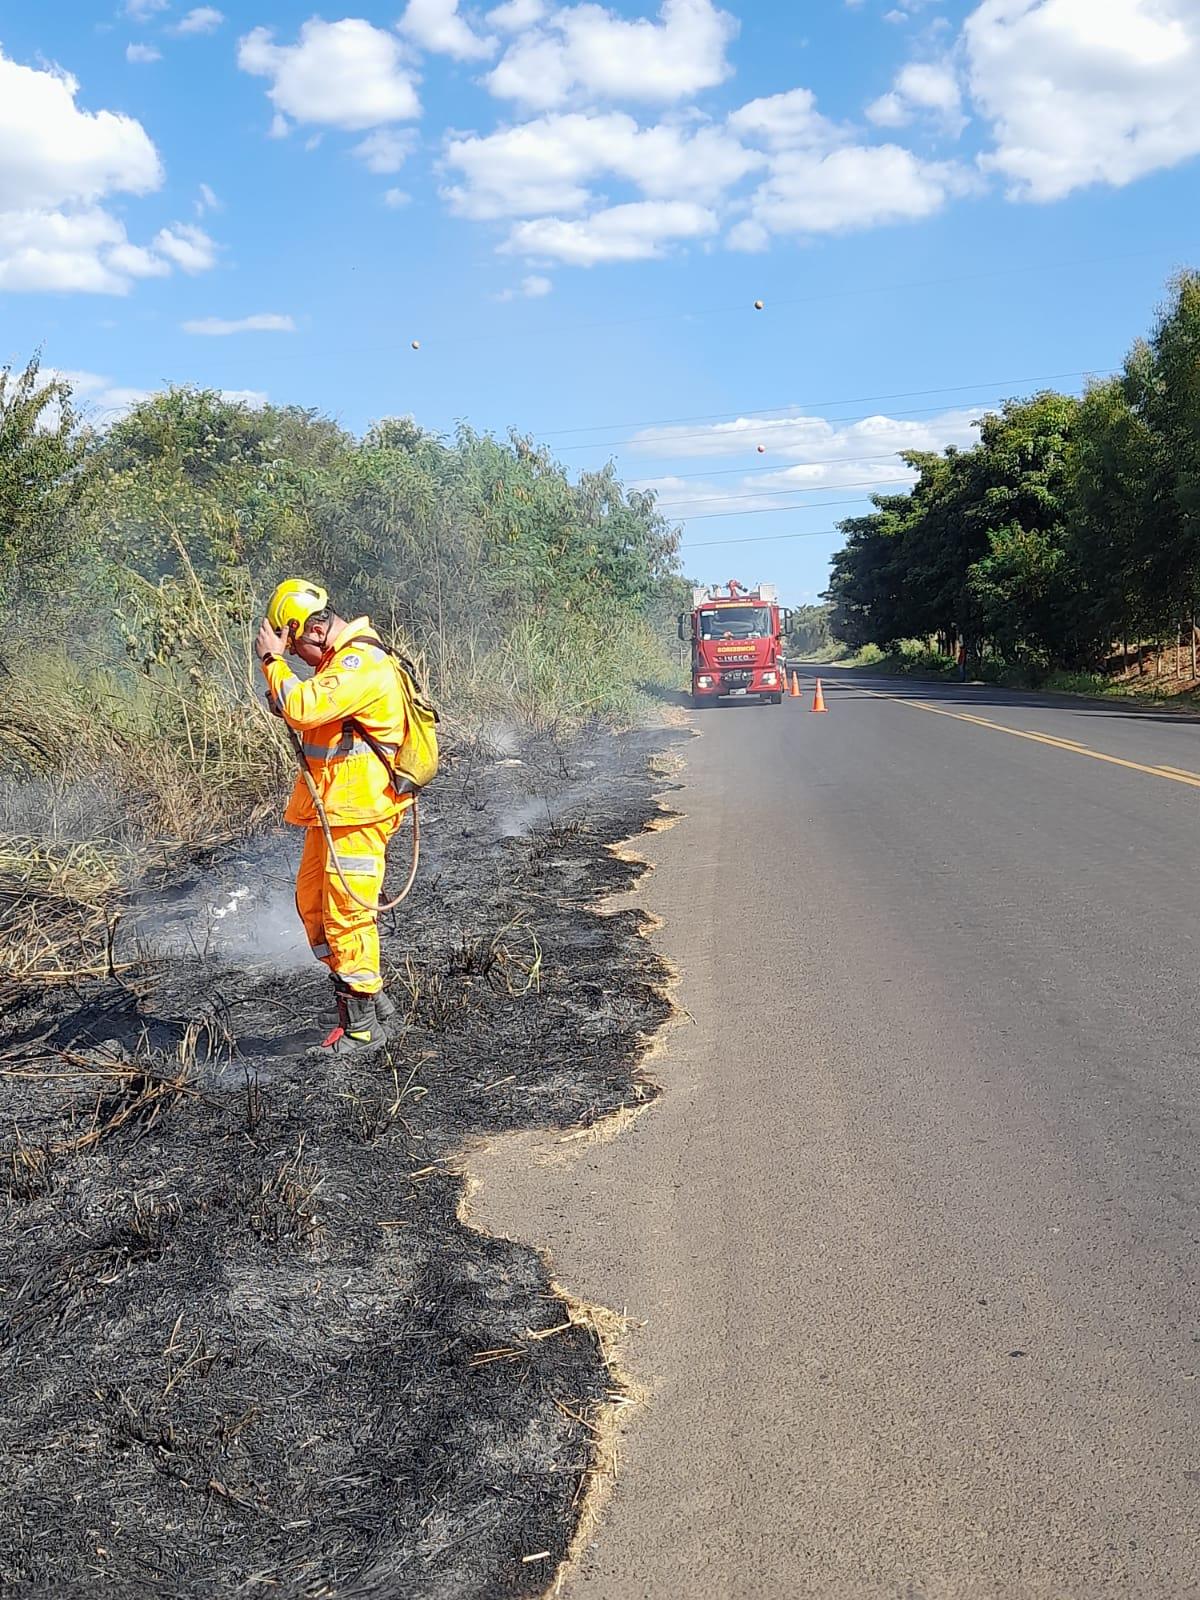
(436, 25)
(858, 186)
(143, 10)
(681, 498)
(395, 198)
(385, 150)
(534, 287)
(515, 15)
(813, 179)
(138, 262)
(1079, 93)
(815, 455)
(260, 322)
(52, 153)
(85, 250)
(749, 236)
(931, 85)
(98, 399)
(253, 399)
(587, 50)
(637, 232)
(345, 74)
(57, 164)
(101, 401)
(119, 399)
(540, 166)
(785, 121)
(922, 86)
(189, 247)
(201, 19)
(207, 201)
(60, 251)
(546, 165)
(889, 111)
(142, 54)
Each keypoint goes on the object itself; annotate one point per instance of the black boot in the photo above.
(363, 1030)
(358, 1026)
(385, 1007)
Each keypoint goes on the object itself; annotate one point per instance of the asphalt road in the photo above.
(913, 1234)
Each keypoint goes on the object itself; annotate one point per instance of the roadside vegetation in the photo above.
(1063, 549)
(134, 563)
(917, 658)
(811, 635)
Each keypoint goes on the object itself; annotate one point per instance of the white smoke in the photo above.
(262, 927)
(242, 914)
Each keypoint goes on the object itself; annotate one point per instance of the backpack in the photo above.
(416, 763)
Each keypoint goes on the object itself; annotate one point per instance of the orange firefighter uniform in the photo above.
(354, 681)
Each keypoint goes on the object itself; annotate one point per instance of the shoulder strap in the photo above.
(401, 661)
(362, 638)
(400, 781)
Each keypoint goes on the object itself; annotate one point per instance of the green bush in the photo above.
(521, 594)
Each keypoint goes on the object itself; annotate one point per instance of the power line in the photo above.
(792, 405)
(770, 511)
(747, 472)
(767, 494)
(742, 307)
(762, 538)
(679, 438)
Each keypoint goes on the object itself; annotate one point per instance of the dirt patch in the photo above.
(246, 1344)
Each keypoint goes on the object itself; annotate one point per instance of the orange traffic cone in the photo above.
(795, 690)
(818, 698)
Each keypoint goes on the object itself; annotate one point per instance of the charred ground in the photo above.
(246, 1345)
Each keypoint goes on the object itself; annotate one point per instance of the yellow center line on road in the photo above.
(1175, 774)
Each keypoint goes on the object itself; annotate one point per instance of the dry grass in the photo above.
(83, 1101)
(509, 962)
(605, 1425)
(375, 1112)
(59, 910)
(284, 1204)
(100, 1098)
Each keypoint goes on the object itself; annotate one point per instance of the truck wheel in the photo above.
(701, 702)
(776, 699)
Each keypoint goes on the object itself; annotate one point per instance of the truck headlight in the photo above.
(704, 682)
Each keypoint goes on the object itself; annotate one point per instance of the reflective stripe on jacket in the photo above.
(353, 680)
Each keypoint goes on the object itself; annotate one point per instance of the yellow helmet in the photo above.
(293, 602)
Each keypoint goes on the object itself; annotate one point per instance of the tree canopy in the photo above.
(1071, 523)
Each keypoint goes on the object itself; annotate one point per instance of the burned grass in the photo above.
(246, 1345)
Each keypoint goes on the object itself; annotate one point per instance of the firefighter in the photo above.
(354, 678)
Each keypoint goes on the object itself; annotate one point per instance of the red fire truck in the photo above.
(737, 644)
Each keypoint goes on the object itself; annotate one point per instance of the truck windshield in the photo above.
(736, 622)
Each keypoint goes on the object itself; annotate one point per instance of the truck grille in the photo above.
(736, 677)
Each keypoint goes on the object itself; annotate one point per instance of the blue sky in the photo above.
(573, 208)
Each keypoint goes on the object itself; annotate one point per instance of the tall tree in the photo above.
(43, 478)
(1018, 505)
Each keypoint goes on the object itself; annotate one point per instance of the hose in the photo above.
(298, 749)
